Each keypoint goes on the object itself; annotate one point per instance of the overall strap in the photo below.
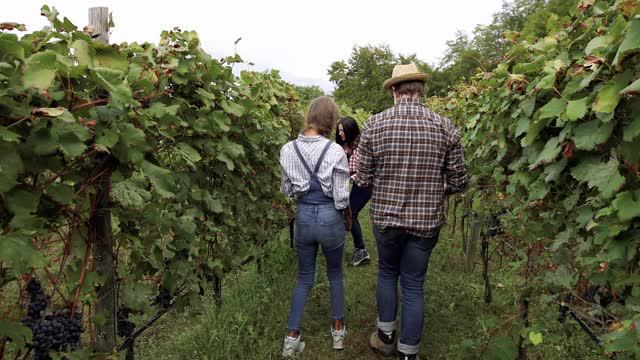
(324, 152)
(304, 162)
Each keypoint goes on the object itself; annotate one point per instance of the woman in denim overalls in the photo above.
(315, 171)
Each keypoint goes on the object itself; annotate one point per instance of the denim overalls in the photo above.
(318, 223)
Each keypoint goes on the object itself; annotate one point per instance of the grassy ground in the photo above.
(251, 323)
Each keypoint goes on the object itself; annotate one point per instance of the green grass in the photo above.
(252, 321)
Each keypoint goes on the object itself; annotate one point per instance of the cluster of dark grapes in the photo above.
(594, 294)
(564, 308)
(494, 226)
(38, 301)
(163, 298)
(54, 332)
(125, 327)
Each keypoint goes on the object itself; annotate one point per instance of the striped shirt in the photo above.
(333, 172)
(411, 157)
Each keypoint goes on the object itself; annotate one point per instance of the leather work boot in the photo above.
(382, 343)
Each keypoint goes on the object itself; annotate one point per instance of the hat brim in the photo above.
(403, 78)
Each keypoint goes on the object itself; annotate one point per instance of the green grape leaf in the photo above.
(535, 338)
(107, 57)
(18, 252)
(553, 108)
(606, 177)
(21, 202)
(546, 82)
(40, 70)
(627, 205)
(577, 109)
(549, 153)
(131, 193)
(232, 108)
(10, 46)
(630, 45)
(107, 138)
(83, 52)
(632, 90)
(10, 166)
(113, 81)
(17, 332)
(630, 132)
(188, 153)
(8, 135)
(161, 179)
(590, 134)
(61, 193)
(554, 170)
(72, 138)
(608, 97)
(597, 43)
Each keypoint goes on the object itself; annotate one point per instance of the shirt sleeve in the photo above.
(285, 183)
(365, 163)
(455, 172)
(341, 182)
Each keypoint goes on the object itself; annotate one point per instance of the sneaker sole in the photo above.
(293, 352)
(362, 262)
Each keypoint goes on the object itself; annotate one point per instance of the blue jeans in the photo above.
(324, 226)
(358, 198)
(406, 256)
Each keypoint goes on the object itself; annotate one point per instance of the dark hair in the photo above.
(410, 88)
(322, 115)
(351, 131)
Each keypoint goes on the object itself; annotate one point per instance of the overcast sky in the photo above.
(300, 38)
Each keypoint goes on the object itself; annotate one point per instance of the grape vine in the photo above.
(552, 136)
(193, 151)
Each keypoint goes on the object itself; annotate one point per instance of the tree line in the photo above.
(358, 80)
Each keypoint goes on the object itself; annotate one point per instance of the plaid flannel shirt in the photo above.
(411, 157)
(353, 164)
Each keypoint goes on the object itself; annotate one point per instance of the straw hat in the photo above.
(402, 73)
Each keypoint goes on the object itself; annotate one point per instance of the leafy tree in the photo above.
(485, 49)
(308, 93)
(359, 80)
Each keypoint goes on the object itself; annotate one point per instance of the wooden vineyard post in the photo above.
(99, 20)
(485, 268)
(100, 222)
(455, 217)
(473, 240)
(217, 290)
(463, 233)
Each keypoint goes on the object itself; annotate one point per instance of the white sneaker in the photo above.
(338, 338)
(292, 346)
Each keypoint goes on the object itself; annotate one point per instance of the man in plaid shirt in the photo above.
(411, 158)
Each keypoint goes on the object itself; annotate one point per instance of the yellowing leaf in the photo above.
(536, 338)
(608, 97)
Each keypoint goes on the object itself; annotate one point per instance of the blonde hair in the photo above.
(322, 116)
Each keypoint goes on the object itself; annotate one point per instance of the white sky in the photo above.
(299, 38)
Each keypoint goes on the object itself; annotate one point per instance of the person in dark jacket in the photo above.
(348, 136)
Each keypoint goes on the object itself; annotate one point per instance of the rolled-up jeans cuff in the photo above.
(387, 326)
(408, 349)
